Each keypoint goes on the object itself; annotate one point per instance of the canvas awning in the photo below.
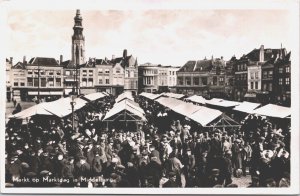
(197, 99)
(94, 96)
(223, 103)
(246, 107)
(174, 95)
(32, 111)
(62, 107)
(169, 102)
(150, 95)
(123, 108)
(125, 95)
(186, 109)
(272, 110)
(205, 115)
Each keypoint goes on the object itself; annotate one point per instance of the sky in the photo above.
(167, 37)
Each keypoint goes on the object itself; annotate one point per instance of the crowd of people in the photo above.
(164, 151)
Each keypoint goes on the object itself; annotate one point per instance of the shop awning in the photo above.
(197, 99)
(272, 110)
(247, 107)
(250, 95)
(94, 96)
(45, 93)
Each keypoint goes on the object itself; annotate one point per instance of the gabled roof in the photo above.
(198, 66)
(44, 61)
(19, 65)
(269, 54)
(67, 64)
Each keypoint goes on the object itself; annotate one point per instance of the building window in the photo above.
(204, 80)
(280, 70)
(280, 81)
(42, 72)
(100, 71)
(287, 81)
(22, 84)
(252, 75)
(118, 70)
(270, 74)
(180, 80)
(29, 82)
(132, 74)
(43, 82)
(106, 80)
(100, 81)
(256, 85)
(58, 73)
(16, 84)
(84, 73)
(29, 72)
(188, 80)
(50, 73)
(126, 73)
(287, 69)
(90, 83)
(238, 67)
(256, 75)
(91, 72)
(58, 81)
(265, 87)
(51, 81)
(215, 80)
(67, 73)
(251, 85)
(107, 71)
(132, 84)
(84, 81)
(265, 74)
(221, 80)
(36, 82)
(270, 87)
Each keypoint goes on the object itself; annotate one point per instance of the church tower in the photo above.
(78, 46)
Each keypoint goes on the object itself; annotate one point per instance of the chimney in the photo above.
(24, 59)
(113, 57)
(61, 58)
(124, 53)
(261, 54)
(78, 12)
(11, 60)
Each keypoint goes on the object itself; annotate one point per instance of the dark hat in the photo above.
(215, 171)
(114, 176)
(25, 165)
(172, 174)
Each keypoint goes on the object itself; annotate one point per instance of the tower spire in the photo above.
(78, 40)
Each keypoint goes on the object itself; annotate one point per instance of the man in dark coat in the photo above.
(82, 169)
(132, 175)
(172, 182)
(155, 153)
(154, 170)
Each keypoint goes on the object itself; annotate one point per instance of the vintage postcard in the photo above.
(150, 97)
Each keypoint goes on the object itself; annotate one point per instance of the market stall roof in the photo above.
(95, 96)
(223, 121)
(272, 110)
(150, 95)
(213, 101)
(223, 103)
(174, 95)
(197, 99)
(186, 109)
(62, 107)
(125, 95)
(247, 107)
(126, 107)
(33, 110)
(205, 115)
(169, 102)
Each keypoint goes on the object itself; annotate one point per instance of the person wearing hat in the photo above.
(132, 175)
(154, 169)
(246, 156)
(188, 160)
(82, 169)
(14, 167)
(236, 156)
(154, 153)
(172, 182)
(68, 172)
(89, 152)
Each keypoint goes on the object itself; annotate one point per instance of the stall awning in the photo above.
(205, 115)
(94, 96)
(125, 95)
(32, 111)
(62, 107)
(246, 107)
(125, 109)
(174, 95)
(272, 110)
(197, 99)
(186, 109)
(169, 102)
(223, 103)
(150, 95)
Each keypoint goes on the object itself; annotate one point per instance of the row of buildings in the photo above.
(262, 75)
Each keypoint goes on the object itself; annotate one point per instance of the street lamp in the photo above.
(73, 103)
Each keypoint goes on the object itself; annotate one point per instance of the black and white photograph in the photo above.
(150, 97)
